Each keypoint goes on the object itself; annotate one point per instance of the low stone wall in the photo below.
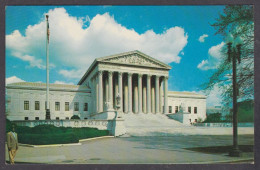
(100, 124)
(224, 124)
(115, 127)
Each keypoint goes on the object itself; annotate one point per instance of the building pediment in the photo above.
(135, 58)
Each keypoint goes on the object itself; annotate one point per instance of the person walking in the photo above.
(12, 144)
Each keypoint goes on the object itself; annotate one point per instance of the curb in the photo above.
(69, 144)
(227, 161)
(51, 145)
(54, 145)
(90, 139)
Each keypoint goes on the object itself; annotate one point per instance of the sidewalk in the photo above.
(141, 150)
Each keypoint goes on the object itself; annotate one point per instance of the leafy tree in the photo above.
(239, 21)
(213, 118)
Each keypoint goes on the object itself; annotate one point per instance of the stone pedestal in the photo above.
(118, 127)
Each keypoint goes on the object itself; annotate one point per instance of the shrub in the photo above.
(43, 139)
(213, 118)
(8, 125)
(49, 134)
(75, 117)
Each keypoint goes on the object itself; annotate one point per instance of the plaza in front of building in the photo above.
(182, 149)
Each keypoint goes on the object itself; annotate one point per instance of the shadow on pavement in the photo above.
(221, 149)
(8, 163)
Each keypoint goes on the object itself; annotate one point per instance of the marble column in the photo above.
(110, 88)
(135, 101)
(165, 95)
(100, 91)
(106, 89)
(157, 99)
(96, 97)
(153, 98)
(148, 99)
(120, 90)
(144, 99)
(94, 94)
(161, 96)
(125, 96)
(130, 92)
(115, 90)
(140, 86)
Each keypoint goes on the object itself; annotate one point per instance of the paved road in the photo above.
(149, 149)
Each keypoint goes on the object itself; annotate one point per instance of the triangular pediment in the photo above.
(135, 58)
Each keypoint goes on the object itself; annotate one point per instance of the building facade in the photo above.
(132, 83)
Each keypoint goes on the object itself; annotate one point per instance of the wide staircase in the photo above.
(150, 124)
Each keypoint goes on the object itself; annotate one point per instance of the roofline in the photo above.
(87, 72)
(98, 60)
(42, 86)
(190, 95)
(131, 52)
(51, 89)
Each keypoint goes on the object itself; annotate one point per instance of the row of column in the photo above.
(143, 97)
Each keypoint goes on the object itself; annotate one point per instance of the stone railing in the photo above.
(100, 124)
(223, 124)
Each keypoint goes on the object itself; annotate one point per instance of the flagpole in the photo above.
(48, 117)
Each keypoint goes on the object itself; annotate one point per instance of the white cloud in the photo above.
(202, 38)
(214, 56)
(213, 97)
(76, 42)
(215, 51)
(13, 79)
(72, 73)
(203, 65)
(62, 82)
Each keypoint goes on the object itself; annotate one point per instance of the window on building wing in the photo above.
(85, 106)
(189, 109)
(26, 105)
(67, 106)
(176, 109)
(57, 106)
(57, 118)
(26, 118)
(76, 106)
(195, 110)
(170, 109)
(36, 118)
(37, 105)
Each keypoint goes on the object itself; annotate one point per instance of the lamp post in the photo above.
(234, 53)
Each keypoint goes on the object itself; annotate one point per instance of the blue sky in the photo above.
(180, 36)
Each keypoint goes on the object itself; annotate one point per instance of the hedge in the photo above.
(49, 134)
(44, 139)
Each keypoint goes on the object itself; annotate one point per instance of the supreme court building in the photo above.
(131, 82)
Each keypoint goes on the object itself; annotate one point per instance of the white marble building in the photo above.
(140, 80)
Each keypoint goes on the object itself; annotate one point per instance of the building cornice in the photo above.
(53, 87)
